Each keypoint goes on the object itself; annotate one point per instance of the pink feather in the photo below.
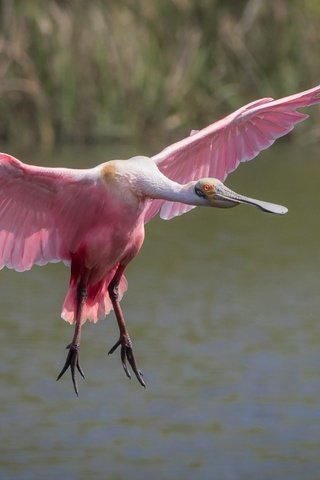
(45, 217)
(217, 150)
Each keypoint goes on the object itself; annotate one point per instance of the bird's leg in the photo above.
(72, 360)
(124, 340)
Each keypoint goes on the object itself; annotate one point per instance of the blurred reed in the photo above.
(100, 70)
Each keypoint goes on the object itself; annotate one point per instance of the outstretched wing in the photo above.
(218, 149)
(44, 211)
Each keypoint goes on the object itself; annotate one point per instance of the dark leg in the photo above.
(72, 360)
(124, 340)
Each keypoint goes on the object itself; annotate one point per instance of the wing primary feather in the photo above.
(219, 148)
(42, 208)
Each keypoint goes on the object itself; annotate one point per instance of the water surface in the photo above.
(223, 307)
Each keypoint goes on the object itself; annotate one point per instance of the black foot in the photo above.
(72, 361)
(127, 354)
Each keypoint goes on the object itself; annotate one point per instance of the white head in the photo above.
(214, 193)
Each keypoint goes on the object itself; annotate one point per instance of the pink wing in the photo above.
(43, 211)
(218, 149)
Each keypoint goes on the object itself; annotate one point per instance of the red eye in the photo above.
(206, 187)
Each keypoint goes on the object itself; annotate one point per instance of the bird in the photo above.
(93, 220)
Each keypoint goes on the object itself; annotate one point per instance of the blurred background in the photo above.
(223, 306)
(94, 71)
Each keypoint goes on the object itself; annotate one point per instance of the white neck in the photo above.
(144, 178)
(166, 189)
(158, 186)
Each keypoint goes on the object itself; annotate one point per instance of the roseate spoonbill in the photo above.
(93, 219)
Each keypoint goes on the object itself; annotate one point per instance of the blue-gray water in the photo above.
(223, 307)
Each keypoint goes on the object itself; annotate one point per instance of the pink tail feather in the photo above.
(97, 304)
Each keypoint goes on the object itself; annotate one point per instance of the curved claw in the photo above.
(126, 354)
(72, 361)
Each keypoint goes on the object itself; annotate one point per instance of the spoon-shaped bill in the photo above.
(227, 195)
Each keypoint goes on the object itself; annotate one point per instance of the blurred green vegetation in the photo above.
(95, 70)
